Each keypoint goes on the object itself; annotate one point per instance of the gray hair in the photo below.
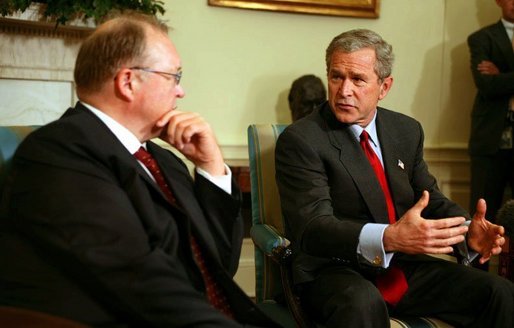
(358, 39)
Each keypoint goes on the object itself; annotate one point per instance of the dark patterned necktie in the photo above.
(392, 284)
(215, 294)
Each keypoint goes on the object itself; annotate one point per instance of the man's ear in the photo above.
(385, 87)
(125, 84)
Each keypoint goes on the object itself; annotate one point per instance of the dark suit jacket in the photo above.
(494, 91)
(86, 234)
(329, 191)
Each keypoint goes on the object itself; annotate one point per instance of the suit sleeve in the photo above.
(225, 222)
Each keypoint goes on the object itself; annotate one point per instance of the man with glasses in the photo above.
(101, 225)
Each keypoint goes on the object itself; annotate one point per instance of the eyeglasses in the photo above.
(176, 76)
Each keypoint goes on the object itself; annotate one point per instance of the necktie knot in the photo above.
(364, 136)
(365, 140)
(143, 155)
(151, 164)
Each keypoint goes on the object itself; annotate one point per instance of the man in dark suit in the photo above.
(91, 233)
(360, 235)
(492, 118)
(306, 93)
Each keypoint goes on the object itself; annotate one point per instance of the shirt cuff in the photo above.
(371, 246)
(221, 181)
(467, 254)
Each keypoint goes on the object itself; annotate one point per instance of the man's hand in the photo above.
(194, 138)
(485, 237)
(412, 234)
(487, 68)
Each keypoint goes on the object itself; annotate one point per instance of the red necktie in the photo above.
(392, 284)
(215, 294)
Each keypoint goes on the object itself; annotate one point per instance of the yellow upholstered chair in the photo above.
(272, 252)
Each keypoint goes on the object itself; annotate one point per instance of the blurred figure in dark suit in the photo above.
(306, 93)
(492, 118)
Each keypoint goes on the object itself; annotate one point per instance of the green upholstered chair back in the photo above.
(266, 208)
(10, 139)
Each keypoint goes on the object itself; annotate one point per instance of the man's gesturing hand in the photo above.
(412, 234)
(485, 237)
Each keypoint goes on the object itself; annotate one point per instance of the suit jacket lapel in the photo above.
(356, 163)
(500, 36)
(179, 180)
(391, 161)
(394, 164)
(176, 182)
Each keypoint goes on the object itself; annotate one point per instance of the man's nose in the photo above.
(345, 89)
(180, 91)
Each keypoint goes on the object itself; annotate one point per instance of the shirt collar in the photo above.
(371, 129)
(507, 24)
(127, 138)
(509, 27)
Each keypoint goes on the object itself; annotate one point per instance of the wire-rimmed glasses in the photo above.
(177, 76)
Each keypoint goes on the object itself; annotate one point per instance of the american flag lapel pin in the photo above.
(401, 165)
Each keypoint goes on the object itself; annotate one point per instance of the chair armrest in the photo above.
(268, 239)
(276, 246)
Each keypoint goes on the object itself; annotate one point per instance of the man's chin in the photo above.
(345, 117)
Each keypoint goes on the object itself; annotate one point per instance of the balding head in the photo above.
(118, 42)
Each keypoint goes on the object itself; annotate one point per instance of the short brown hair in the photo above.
(358, 39)
(119, 41)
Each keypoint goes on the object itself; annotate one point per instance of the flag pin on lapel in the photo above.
(401, 165)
